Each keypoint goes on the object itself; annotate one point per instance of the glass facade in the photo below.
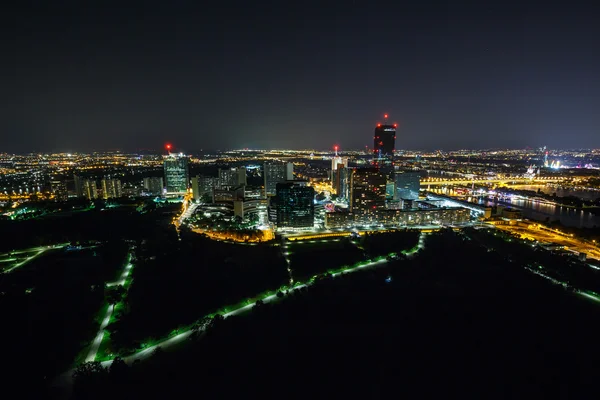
(295, 206)
(177, 174)
(407, 185)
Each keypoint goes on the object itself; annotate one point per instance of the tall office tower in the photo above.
(407, 185)
(90, 190)
(177, 173)
(274, 173)
(78, 181)
(337, 163)
(341, 181)
(111, 188)
(59, 189)
(367, 190)
(153, 184)
(337, 160)
(295, 205)
(203, 186)
(384, 146)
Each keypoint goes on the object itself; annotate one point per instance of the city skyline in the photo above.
(468, 76)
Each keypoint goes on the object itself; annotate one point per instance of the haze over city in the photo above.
(82, 77)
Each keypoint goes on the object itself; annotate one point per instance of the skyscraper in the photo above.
(274, 173)
(339, 165)
(176, 173)
(295, 205)
(367, 190)
(384, 146)
(341, 181)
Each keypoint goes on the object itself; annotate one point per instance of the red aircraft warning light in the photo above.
(168, 146)
(385, 116)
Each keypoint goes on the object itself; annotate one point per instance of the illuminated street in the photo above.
(533, 232)
(93, 351)
(37, 251)
(147, 352)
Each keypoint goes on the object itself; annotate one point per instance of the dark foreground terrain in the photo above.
(459, 321)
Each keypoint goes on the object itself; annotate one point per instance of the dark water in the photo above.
(582, 194)
(541, 211)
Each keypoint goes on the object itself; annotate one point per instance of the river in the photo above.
(582, 194)
(539, 211)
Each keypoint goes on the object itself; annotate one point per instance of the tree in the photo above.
(114, 294)
(89, 379)
(118, 369)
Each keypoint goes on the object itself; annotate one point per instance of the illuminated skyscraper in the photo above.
(177, 174)
(384, 146)
(367, 190)
(295, 205)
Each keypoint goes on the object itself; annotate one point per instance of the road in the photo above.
(184, 335)
(93, 351)
(38, 251)
(548, 236)
(463, 181)
(65, 380)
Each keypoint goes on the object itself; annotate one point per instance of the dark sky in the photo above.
(307, 74)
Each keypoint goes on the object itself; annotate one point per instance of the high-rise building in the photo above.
(337, 161)
(203, 186)
(90, 190)
(177, 174)
(241, 176)
(78, 181)
(232, 177)
(367, 190)
(276, 172)
(407, 185)
(111, 188)
(341, 181)
(295, 205)
(384, 146)
(153, 185)
(59, 189)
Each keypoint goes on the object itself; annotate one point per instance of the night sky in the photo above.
(307, 74)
